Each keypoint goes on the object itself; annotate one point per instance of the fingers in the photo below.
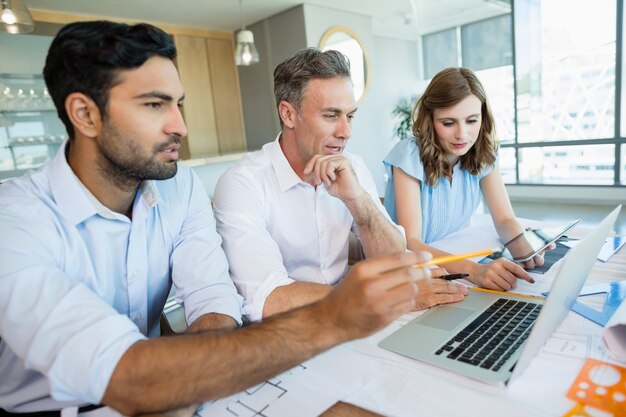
(434, 292)
(392, 262)
(325, 168)
(500, 275)
(308, 168)
(392, 279)
(529, 264)
(517, 271)
(536, 261)
(398, 277)
(438, 272)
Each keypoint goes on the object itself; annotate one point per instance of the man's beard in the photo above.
(123, 160)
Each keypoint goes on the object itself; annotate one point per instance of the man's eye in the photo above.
(154, 105)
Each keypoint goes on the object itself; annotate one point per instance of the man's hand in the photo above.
(375, 292)
(337, 173)
(434, 291)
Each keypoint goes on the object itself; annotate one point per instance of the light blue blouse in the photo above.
(447, 206)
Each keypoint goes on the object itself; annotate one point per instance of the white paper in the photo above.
(306, 390)
(614, 334)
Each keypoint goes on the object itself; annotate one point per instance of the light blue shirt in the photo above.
(79, 284)
(446, 207)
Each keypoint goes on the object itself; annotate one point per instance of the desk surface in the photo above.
(362, 374)
(406, 387)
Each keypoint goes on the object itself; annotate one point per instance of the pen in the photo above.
(507, 293)
(452, 258)
(451, 277)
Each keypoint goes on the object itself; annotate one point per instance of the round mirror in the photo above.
(348, 43)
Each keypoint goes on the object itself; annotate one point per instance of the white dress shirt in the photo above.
(79, 284)
(278, 229)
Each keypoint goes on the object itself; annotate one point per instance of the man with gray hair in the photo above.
(285, 212)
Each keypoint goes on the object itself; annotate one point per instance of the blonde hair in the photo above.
(449, 87)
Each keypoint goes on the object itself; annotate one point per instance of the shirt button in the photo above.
(138, 317)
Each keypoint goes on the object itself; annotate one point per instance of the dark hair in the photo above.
(293, 75)
(86, 57)
(449, 87)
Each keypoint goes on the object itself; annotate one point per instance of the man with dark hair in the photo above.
(285, 212)
(91, 243)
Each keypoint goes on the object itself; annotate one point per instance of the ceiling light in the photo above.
(245, 52)
(15, 17)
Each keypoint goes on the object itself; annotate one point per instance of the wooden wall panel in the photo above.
(199, 109)
(228, 108)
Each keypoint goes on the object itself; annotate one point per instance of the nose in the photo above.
(176, 123)
(344, 128)
(461, 131)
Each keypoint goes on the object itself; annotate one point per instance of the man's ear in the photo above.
(84, 114)
(287, 113)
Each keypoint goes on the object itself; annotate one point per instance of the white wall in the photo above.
(209, 174)
(23, 54)
(276, 39)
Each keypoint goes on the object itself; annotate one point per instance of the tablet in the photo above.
(531, 242)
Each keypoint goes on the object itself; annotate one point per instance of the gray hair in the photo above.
(293, 75)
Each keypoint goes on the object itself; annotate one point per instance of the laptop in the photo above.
(492, 337)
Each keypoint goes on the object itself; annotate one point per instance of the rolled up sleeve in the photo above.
(200, 269)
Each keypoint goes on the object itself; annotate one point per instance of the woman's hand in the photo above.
(501, 275)
(537, 260)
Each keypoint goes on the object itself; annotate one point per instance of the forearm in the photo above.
(296, 294)
(377, 234)
(167, 373)
(508, 228)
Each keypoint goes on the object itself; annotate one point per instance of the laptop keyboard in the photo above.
(494, 336)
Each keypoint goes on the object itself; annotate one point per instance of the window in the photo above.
(565, 70)
(440, 51)
(556, 110)
(584, 165)
(623, 159)
(481, 49)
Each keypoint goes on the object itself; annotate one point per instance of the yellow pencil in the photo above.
(508, 293)
(452, 258)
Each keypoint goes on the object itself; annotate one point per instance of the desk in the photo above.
(393, 385)
(407, 387)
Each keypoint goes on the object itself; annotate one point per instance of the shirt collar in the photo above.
(285, 175)
(77, 202)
